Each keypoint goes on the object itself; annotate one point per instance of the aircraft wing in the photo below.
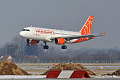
(80, 36)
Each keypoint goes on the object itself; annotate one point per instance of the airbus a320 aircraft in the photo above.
(59, 37)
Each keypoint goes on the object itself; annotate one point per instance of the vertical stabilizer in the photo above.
(86, 29)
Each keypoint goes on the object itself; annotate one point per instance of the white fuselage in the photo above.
(45, 34)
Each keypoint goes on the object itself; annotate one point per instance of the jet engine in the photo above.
(59, 41)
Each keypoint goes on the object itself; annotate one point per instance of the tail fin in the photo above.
(86, 29)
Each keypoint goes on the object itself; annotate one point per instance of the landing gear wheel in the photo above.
(45, 46)
(64, 47)
(29, 44)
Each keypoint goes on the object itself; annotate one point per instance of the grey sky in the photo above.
(62, 14)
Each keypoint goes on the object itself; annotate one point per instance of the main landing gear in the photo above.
(64, 46)
(45, 46)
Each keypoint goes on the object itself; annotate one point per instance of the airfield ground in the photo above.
(39, 68)
(85, 64)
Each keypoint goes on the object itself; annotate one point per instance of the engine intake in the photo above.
(59, 41)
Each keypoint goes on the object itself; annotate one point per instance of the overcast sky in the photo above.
(62, 14)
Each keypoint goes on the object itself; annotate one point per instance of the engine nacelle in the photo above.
(59, 41)
(32, 42)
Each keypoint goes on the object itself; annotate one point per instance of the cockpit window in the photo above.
(25, 30)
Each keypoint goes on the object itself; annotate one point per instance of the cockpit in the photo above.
(25, 30)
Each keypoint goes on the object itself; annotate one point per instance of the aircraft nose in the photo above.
(21, 34)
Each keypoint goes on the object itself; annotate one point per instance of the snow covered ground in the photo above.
(21, 76)
(42, 76)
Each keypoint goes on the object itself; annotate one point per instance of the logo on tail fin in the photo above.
(87, 26)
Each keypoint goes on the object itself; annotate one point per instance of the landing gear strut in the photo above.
(28, 42)
(45, 46)
(64, 47)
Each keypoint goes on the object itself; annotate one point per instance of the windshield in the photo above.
(25, 30)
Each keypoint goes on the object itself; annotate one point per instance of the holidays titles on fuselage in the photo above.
(40, 31)
(54, 32)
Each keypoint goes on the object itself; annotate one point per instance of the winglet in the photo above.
(104, 33)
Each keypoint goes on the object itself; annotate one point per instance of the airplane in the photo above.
(59, 37)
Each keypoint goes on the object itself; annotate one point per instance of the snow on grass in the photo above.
(21, 76)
